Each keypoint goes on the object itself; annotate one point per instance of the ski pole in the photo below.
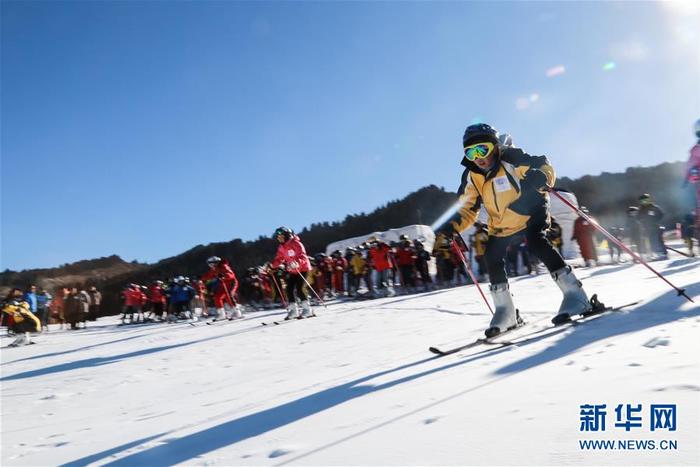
(679, 252)
(618, 243)
(231, 301)
(455, 245)
(279, 291)
(312, 289)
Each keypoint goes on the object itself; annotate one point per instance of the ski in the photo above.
(495, 340)
(477, 342)
(218, 321)
(285, 321)
(578, 321)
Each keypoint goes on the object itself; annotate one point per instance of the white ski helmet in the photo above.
(697, 128)
(214, 260)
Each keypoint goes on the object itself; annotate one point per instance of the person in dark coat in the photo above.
(73, 308)
(650, 215)
(95, 302)
(633, 230)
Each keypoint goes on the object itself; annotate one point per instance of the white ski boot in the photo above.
(292, 311)
(306, 311)
(220, 314)
(22, 339)
(237, 313)
(506, 316)
(575, 300)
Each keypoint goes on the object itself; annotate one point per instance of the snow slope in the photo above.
(357, 386)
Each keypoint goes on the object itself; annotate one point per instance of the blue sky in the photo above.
(145, 128)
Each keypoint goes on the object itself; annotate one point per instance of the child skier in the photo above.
(291, 255)
(225, 287)
(18, 318)
(512, 186)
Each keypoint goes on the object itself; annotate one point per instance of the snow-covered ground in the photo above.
(357, 385)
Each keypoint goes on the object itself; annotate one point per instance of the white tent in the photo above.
(565, 217)
(421, 232)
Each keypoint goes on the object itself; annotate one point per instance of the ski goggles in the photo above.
(478, 151)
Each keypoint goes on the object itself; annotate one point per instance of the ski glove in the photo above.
(534, 179)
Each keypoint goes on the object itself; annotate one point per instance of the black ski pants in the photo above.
(537, 243)
(295, 287)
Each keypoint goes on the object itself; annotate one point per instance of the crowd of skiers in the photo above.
(520, 227)
(31, 310)
(372, 269)
(643, 232)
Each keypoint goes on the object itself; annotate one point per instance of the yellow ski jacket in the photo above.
(498, 189)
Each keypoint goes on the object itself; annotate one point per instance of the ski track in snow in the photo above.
(357, 386)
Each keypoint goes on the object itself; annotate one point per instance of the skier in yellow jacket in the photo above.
(512, 187)
(19, 318)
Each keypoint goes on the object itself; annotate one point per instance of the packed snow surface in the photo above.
(357, 385)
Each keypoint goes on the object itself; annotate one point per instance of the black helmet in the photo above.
(403, 237)
(286, 232)
(479, 133)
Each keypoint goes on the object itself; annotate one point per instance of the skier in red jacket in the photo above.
(381, 256)
(291, 255)
(156, 295)
(340, 264)
(583, 234)
(225, 287)
(406, 260)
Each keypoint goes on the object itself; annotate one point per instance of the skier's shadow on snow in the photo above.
(662, 310)
(670, 272)
(609, 270)
(179, 450)
(100, 361)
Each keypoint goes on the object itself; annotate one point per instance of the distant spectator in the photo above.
(73, 308)
(30, 297)
(405, 260)
(340, 264)
(85, 306)
(95, 302)
(43, 299)
(156, 297)
(613, 248)
(634, 230)
(442, 251)
(380, 253)
(422, 260)
(180, 296)
(583, 234)
(650, 216)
